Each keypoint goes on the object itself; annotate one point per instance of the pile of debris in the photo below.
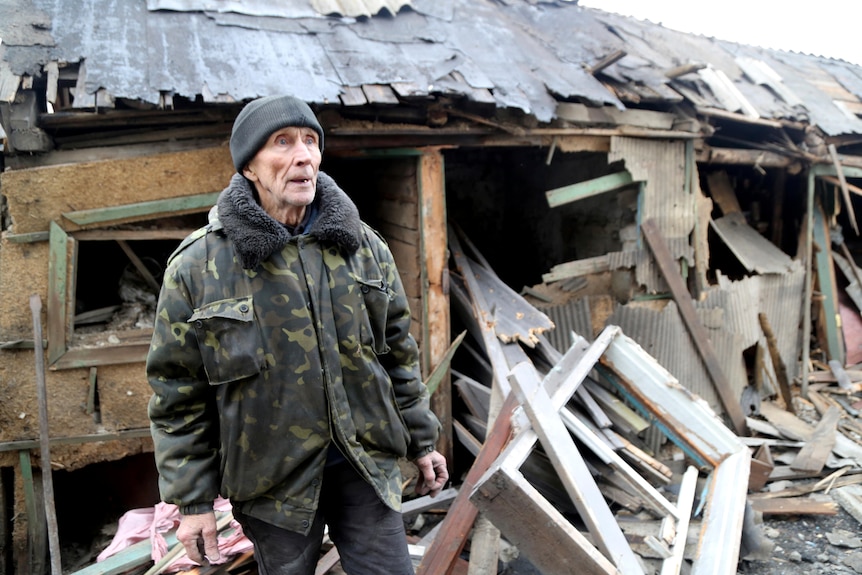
(596, 459)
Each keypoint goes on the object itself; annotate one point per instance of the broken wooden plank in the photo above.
(794, 428)
(722, 192)
(135, 555)
(721, 529)
(535, 526)
(606, 61)
(777, 363)
(440, 556)
(483, 316)
(685, 502)
(812, 456)
(762, 466)
(794, 506)
(329, 560)
(574, 474)
(624, 417)
(651, 497)
(578, 268)
(669, 270)
(476, 397)
(849, 497)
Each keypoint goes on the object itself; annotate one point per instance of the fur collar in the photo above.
(256, 235)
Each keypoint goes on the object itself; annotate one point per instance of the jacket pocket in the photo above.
(376, 295)
(229, 340)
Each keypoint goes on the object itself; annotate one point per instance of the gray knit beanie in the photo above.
(260, 118)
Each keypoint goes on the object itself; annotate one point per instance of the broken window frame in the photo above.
(62, 264)
(687, 421)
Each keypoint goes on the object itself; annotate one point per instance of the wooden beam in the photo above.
(606, 61)
(678, 71)
(850, 187)
(140, 266)
(699, 337)
(36, 520)
(130, 235)
(591, 115)
(735, 156)
(572, 193)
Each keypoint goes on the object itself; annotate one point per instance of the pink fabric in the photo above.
(154, 522)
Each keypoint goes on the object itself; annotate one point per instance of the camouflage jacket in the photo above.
(267, 346)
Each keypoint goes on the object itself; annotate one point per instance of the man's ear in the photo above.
(249, 173)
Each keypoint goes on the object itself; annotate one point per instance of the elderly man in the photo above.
(284, 375)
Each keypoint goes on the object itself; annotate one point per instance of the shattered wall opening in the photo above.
(111, 293)
(91, 499)
(497, 196)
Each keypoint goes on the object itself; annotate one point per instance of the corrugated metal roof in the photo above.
(291, 9)
(525, 55)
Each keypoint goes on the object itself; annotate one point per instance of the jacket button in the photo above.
(315, 482)
(243, 308)
(365, 289)
(305, 522)
(199, 323)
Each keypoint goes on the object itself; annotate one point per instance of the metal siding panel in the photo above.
(781, 299)
(570, 317)
(660, 164)
(663, 335)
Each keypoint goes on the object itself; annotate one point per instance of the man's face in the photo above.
(284, 171)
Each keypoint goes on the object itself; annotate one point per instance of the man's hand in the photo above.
(433, 474)
(199, 535)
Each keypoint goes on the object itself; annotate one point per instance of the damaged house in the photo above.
(568, 187)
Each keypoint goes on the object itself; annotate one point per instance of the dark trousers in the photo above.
(369, 536)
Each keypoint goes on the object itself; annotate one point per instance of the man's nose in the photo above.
(303, 154)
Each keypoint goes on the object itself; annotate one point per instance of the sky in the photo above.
(831, 28)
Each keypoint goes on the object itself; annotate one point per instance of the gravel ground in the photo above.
(813, 545)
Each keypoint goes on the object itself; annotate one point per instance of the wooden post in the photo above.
(44, 448)
(435, 300)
